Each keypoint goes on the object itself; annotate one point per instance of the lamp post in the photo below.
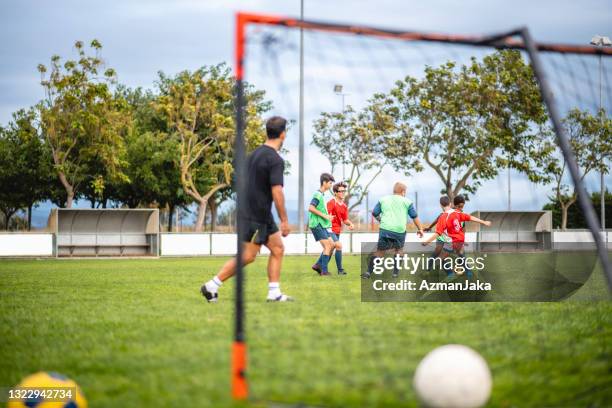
(509, 190)
(301, 130)
(600, 42)
(367, 214)
(338, 91)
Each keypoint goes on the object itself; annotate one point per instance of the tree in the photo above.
(199, 110)
(83, 122)
(25, 169)
(9, 180)
(469, 122)
(575, 217)
(358, 139)
(147, 152)
(227, 217)
(591, 140)
(153, 172)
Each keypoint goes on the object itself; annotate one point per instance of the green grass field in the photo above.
(137, 333)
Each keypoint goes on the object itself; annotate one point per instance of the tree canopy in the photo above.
(171, 146)
(468, 122)
(83, 122)
(590, 137)
(198, 108)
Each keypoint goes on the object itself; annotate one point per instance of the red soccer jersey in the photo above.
(449, 223)
(340, 212)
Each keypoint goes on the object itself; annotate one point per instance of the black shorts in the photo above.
(258, 232)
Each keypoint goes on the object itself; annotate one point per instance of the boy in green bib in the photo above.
(319, 221)
(393, 211)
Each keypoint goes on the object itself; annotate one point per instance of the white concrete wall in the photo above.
(360, 237)
(577, 236)
(203, 244)
(26, 244)
(296, 244)
(223, 244)
(185, 244)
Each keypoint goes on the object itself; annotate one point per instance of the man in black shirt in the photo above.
(264, 185)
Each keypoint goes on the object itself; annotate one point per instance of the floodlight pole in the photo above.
(343, 164)
(338, 91)
(583, 199)
(509, 191)
(367, 214)
(301, 131)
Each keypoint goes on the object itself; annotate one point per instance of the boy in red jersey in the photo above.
(450, 225)
(337, 208)
(458, 204)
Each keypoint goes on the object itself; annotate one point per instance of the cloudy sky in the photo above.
(141, 38)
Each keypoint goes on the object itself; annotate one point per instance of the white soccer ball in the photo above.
(453, 376)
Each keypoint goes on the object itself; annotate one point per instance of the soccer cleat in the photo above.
(342, 272)
(365, 275)
(281, 298)
(210, 296)
(325, 274)
(395, 274)
(317, 268)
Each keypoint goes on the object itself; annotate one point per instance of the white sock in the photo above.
(274, 290)
(213, 285)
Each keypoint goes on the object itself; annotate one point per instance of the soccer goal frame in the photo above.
(516, 39)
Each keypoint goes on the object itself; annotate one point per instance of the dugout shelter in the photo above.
(105, 232)
(514, 230)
